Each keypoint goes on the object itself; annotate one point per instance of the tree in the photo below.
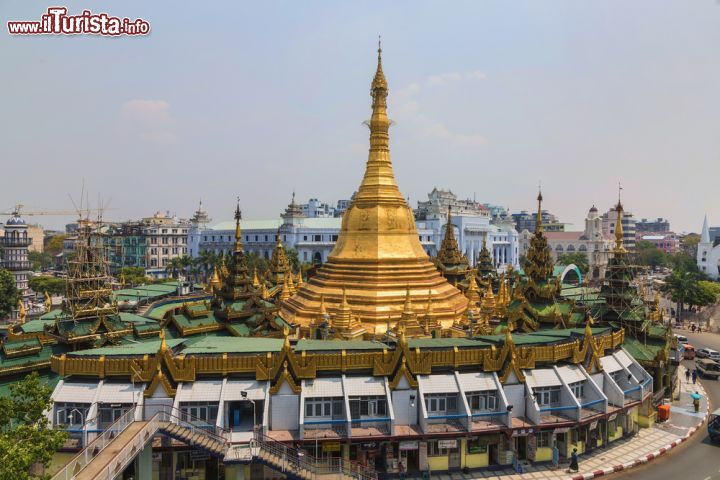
(9, 295)
(255, 261)
(52, 285)
(294, 259)
(40, 260)
(55, 244)
(133, 275)
(578, 258)
(689, 244)
(26, 438)
(647, 254)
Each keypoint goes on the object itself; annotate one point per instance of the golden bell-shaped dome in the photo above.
(378, 257)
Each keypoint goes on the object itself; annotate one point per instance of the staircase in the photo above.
(288, 461)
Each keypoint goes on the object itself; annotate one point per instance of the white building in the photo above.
(166, 238)
(708, 254)
(15, 245)
(609, 219)
(593, 242)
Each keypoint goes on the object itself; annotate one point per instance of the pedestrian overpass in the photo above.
(128, 443)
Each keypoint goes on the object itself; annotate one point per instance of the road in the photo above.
(696, 459)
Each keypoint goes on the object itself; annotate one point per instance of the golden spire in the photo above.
(255, 280)
(619, 248)
(285, 292)
(238, 217)
(342, 320)
(48, 302)
(473, 293)
(488, 304)
(299, 280)
(323, 310)
(538, 219)
(264, 294)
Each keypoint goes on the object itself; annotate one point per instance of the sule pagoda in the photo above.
(379, 351)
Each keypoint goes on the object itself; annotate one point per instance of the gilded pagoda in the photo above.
(378, 257)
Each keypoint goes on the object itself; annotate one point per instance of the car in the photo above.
(707, 353)
(681, 338)
(708, 368)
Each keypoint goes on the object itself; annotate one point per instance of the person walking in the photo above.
(694, 376)
(574, 467)
(687, 375)
(696, 401)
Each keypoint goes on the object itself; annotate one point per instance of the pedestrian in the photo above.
(696, 401)
(403, 469)
(687, 375)
(694, 376)
(574, 461)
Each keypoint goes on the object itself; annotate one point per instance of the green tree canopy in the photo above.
(26, 438)
(647, 254)
(55, 244)
(40, 260)
(578, 258)
(9, 295)
(52, 285)
(133, 275)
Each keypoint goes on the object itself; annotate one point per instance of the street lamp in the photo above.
(244, 396)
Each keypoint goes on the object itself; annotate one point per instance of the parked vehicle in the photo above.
(688, 352)
(681, 339)
(714, 426)
(707, 353)
(708, 368)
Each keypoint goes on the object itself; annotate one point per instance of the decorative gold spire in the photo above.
(299, 280)
(255, 280)
(619, 248)
(163, 345)
(538, 218)
(48, 302)
(22, 313)
(488, 304)
(238, 217)
(473, 294)
(285, 292)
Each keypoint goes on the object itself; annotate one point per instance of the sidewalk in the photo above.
(646, 445)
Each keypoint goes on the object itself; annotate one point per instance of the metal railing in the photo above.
(131, 449)
(87, 454)
(16, 264)
(15, 242)
(289, 460)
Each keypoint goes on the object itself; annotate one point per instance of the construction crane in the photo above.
(18, 210)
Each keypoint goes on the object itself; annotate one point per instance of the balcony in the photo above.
(16, 265)
(15, 242)
(370, 427)
(481, 421)
(324, 429)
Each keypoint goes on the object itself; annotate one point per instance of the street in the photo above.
(696, 459)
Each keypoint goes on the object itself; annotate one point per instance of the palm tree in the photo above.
(206, 261)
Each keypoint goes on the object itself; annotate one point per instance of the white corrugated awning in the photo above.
(623, 358)
(362, 386)
(323, 387)
(438, 383)
(542, 377)
(120, 393)
(609, 364)
(76, 392)
(477, 382)
(234, 388)
(200, 391)
(571, 374)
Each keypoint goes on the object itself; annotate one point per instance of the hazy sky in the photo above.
(256, 99)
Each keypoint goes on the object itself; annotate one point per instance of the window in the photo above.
(174, 230)
(317, 238)
(266, 238)
(368, 407)
(199, 412)
(482, 401)
(305, 238)
(434, 449)
(441, 404)
(164, 230)
(256, 238)
(578, 389)
(475, 445)
(544, 439)
(71, 414)
(334, 238)
(547, 396)
(324, 407)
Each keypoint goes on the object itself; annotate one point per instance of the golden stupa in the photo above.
(377, 258)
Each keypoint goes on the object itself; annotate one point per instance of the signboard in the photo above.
(369, 446)
(331, 446)
(409, 445)
(612, 417)
(197, 455)
(594, 425)
(562, 430)
(447, 444)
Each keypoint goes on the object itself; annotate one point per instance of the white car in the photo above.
(707, 353)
